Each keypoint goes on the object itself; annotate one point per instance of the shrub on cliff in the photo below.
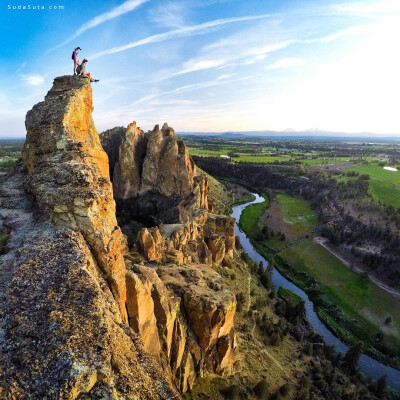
(231, 393)
(261, 389)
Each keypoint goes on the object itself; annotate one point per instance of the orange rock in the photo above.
(141, 315)
(69, 174)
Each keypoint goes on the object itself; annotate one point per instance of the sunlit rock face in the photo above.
(155, 172)
(69, 174)
(185, 318)
(154, 175)
(64, 330)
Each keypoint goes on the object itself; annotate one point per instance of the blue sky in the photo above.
(210, 65)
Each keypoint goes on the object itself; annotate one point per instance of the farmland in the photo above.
(384, 184)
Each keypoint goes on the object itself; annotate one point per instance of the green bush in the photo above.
(275, 339)
(261, 389)
(232, 392)
(3, 240)
(284, 389)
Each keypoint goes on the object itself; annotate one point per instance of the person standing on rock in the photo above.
(75, 58)
(81, 71)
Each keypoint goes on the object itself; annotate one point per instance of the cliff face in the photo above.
(63, 325)
(185, 318)
(156, 161)
(156, 176)
(78, 319)
(155, 172)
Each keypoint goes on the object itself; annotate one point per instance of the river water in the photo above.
(369, 366)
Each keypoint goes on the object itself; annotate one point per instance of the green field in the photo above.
(342, 178)
(376, 171)
(338, 285)
(324, 160)
(250, 216)
(261, 159)
(384, 184)
(385, 192)
(200, 152)
(296, 214)
(356, 296)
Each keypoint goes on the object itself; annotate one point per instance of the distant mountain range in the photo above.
(304, 135)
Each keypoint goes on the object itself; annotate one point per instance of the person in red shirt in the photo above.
(75, 58)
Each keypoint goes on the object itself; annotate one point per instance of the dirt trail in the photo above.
(324, 243)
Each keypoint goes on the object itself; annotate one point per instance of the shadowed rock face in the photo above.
(155, 175)
(153, 169)
(63, 320)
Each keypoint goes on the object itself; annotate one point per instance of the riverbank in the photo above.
(349, 329)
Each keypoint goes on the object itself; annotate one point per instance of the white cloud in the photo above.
(218, 58)
(33, 80)
(169, 15)
(350, 31)
(286, 63)
(369, 9)
(193, 30)
(124, 8)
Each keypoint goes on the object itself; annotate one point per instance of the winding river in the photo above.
(368, 365)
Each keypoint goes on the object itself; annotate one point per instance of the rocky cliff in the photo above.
(191, 330)
(79, 318)
(154, 174)
(186, 319)
(64, 330)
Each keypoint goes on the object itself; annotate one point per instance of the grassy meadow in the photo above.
(359, 318)
(348, 290)
(296, 214)
(384, 184)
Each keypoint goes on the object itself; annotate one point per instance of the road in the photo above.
(324, 243)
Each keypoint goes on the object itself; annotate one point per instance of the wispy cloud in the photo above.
(350, 31)
(366, 9)
(151, 100)
(222, 80)
(218, 60)
(286, 63)
(33, 80)
(124, 8)
(21, 67)
(193, 30)
(169, 15)
(230, 52)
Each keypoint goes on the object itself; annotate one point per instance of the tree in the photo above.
(261, 389)
(381, 386)
(260, 268)
(353, 355)
(270, 267)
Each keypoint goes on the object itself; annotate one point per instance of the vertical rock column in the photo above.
(69, 175)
